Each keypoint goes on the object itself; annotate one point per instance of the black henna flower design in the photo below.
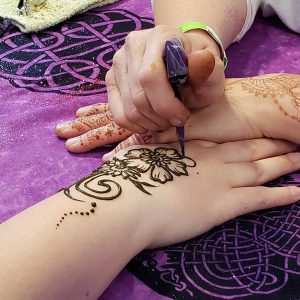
(117, 167)
(161, 163)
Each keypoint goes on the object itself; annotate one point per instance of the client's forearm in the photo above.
(73, 244)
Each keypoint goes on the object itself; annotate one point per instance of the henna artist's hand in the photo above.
(140, 96)
(262, 106)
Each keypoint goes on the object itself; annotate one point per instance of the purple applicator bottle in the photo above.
(177, 71)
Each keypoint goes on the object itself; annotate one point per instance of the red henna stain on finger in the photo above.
(109, 133)
(84, 123)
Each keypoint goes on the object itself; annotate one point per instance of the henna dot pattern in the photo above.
(92, 210)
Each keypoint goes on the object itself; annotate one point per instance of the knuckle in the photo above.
(117, 58)
(258, 172)
(131, 37)
(139, 100)
(133, 114)
(109, 78)
(162, 109)
(120, 120)
(145, 76)
(161, 28)
(251, 149)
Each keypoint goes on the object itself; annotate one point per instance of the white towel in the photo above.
(47, 14)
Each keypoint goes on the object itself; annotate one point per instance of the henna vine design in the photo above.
(278, 87)
(162, 164)
(110, 133)
(90, 122)
(98, 108)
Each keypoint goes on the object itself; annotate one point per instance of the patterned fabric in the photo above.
(45, 77)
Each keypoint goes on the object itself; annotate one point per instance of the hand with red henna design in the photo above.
(262, 106)
(93, 128)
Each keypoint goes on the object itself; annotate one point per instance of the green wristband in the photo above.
(198, 25)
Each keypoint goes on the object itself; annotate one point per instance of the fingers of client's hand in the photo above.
(255, 162)
(252, 150)
(261, 171)
(249, 199)
(83, 124)
(255, 167)
(92, 109)
(98, 137)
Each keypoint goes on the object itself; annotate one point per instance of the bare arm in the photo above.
(226, 17)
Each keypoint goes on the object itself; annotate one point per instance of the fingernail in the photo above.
(61, 126)
(176, 122)
(73, 141)
(82, 111)
(294, 157)
(106, 156)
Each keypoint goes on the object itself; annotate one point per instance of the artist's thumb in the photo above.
(201, 65)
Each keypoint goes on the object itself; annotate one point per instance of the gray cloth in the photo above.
(46, 14)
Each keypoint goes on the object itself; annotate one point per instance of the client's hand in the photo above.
(221, 182)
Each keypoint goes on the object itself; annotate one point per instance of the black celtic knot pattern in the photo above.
(74, 58)
(251, 257)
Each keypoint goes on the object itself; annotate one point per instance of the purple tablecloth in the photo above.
(45, 77)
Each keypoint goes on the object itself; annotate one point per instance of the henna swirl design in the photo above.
(84, 123)
(162, 164)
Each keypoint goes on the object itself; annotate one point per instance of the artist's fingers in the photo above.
(123, 110)
(105, 135)
(250, 199)
(261, 171)
(252, 150)
(92, 109)
(83, 124)
(135, 49)
(154, 81)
